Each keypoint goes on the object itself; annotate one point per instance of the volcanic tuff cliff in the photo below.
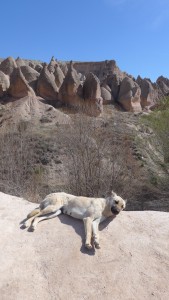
(62, 83)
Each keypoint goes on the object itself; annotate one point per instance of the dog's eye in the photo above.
(116, 201)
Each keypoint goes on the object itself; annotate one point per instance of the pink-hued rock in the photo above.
(30, 75)
(59, 76)
(92, 95)
(148, 94)
(133, 261)
(8, 65)
(52, 64)
(70, 91)
(19, 87)
(106, 95)
(129, 95)
(4, 84)
(38, 68)
(20, 62)
(163, 84)
(46, 86)
(31, 109)
(113, 81)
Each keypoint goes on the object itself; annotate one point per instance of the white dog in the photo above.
(91, 210)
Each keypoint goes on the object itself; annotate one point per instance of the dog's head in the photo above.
(116, 203)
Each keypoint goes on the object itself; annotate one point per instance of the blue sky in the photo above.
(133, 32)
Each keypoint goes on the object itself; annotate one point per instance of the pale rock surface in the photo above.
(31, 109)
(51, 262)
(92, 95)
(64, 68)
(31, 64)
(20, 62)
(52, 64)
(4, 83)
(38, 68)
(163, 83)
(148, 94)
(114, 81)
(70, 91)
(30, 75)
(129, 95)
(106, 95)
(99, 68)
(18, 85)
(46, 86)
(8, 65)
(59, 76)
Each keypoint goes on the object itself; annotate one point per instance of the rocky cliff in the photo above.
(64, 83)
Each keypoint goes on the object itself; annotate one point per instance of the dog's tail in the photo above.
(33, 213)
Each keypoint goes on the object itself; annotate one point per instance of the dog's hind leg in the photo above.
(33, 213)
(45, 217)
(47, 210)
(88, 232)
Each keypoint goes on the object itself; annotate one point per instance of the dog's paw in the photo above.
(97, 245)
(24, 225)
(88, 246)
(31, 229)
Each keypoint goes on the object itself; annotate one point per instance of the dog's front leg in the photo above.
(88, 232)
(95, 228)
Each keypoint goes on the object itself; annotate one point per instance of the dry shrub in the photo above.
(99, 159)
(19, 173)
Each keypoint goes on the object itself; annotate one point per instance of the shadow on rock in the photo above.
(105, 223)
(78, 226)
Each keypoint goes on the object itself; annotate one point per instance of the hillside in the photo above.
(78, 127)
(51, 263)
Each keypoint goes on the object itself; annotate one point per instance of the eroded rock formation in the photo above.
(147, 92)
(59, 76)
(92, 94)
(19, 87)
(80, 85)
(30, 75)
(129, 95)
(71, 91)
(163, 83)
(46, 86)
(4, 84)
(20, 62)
(7, 65)
(106, 95)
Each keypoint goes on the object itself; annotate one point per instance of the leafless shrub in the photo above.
(98, 159)
(19, 173)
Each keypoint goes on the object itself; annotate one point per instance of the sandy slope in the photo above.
(51, 263)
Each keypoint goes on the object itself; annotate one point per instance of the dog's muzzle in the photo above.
(114, 210)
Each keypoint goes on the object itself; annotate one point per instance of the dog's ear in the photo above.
(113, 194)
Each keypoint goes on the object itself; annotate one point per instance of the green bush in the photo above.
(158, 120)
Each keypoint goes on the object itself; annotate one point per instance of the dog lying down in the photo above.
(91, 210)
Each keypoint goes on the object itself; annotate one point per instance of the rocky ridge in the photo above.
(86, 86)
